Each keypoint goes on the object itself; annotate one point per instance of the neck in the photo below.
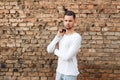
(70, 31)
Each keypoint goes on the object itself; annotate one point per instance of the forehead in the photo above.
(66, 17)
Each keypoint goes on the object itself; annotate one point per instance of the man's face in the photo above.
(69, 22)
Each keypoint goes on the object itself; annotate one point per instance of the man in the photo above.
(65, 46)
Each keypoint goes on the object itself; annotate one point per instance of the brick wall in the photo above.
(28, 26)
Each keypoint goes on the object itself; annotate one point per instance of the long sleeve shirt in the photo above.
(68, 48)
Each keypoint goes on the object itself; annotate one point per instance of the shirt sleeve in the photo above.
(51, 46)
(72, 51)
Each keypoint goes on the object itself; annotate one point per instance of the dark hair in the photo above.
(70, 13)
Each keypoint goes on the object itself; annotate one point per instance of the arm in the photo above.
(72, 51)
(51, 46)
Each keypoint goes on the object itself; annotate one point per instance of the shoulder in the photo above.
(77, 35)
(76, 38)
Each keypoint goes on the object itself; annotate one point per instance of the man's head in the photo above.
(70, 13)
(69, 19)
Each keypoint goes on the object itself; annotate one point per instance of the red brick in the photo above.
(28, 26)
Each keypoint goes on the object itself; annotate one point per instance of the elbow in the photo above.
(49, 50)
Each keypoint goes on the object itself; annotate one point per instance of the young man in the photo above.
(65, 46)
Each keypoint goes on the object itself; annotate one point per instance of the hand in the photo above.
(57, 46)
(60, 33)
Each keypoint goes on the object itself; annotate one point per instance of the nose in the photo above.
(67, 22)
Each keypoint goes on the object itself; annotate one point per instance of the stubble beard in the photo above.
(69, 27)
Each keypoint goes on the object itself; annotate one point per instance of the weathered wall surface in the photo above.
(28, 26)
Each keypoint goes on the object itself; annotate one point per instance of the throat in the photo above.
(70, 31)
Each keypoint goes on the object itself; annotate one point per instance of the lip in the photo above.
(67, 25)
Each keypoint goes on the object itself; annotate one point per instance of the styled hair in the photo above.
(70, 13)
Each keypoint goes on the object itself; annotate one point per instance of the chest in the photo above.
(66, 41)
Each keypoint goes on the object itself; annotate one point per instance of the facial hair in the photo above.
(69, 27)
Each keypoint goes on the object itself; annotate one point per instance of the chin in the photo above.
(68, 28)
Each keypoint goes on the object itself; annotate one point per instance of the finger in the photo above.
(60, 30)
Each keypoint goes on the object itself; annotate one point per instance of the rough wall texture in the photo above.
(28, 26)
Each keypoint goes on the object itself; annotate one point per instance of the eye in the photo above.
(70, 20)
(65, 20)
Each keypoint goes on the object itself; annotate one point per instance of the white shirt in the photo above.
(68, 49)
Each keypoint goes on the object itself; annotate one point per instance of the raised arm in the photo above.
(51, 46)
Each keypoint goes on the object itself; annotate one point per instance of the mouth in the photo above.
(68, 28)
